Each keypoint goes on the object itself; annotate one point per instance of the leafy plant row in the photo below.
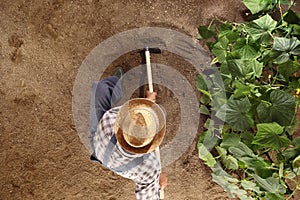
(250, 95)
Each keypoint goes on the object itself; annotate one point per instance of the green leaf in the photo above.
(290, 154)
(228, 160)
(242, 90)
(256, 6)
(207, 139)
(294, 84)
(204, 99)
(218, 100)
(223, 27)
(222, 152)
(292, 174)
(283, 48)
(218, 170)
(226, 30)
(297, 171)
(230, 140)
(287, 68)
(273, 196)
(280, 109)
(231, 35)
(206, 156)
(210, 44)
(220, 49)
(236, 113)
(202, 85)
(241, 150)
(296, 162)
(266, 57)
(269, 135)
(291, 129)
(233, 55)
(247, 69)
(205, 32)
(208, 124)
(296, 142)
(228, 183)
(258, 165)
(249, 185)
(225, 71)
(291, 17)
(231, 189)
(260, 29)
(223, 183)
(247, 138)
(204, 110)
(295, 30)
(270, 184)
(285, 2)
(247, 49)
(263, 111)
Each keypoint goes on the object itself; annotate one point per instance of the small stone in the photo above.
(15, 41)
(22, 83)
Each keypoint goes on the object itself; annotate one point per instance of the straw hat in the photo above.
(140, 126)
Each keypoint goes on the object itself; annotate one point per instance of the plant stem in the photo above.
(292, 4)
(296, 187)
(266, 102)
(271, 35)
(274, 78)
(292, 195)
(210, 23)
(280, 10)
(265, 151)
(269, 157)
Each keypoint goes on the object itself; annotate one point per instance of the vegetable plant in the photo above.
(250, 97)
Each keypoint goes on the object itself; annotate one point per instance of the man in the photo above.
(124, 138)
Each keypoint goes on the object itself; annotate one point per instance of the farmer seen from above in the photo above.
(124, 138)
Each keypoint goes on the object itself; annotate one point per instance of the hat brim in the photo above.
(157, 139)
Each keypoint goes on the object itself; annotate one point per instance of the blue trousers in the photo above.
(103, 96)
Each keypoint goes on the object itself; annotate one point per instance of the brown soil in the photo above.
(42, 45)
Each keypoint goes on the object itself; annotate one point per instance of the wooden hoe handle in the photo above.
(150, 83)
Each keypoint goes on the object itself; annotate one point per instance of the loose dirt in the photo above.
(42, 45)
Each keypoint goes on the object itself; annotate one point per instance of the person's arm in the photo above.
(148, 189)
(148, 179)
(151, 95)
(163, 180)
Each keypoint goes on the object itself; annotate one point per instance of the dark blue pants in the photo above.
(103, 96)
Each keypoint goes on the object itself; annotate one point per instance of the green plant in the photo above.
(250, 97)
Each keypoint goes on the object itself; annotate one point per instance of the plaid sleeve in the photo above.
(147, 179)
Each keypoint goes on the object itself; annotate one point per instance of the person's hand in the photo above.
(163, 180)
(151, 95)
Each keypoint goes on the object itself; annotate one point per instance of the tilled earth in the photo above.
(42, 45)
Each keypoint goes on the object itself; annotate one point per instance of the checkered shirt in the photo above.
(145, 175)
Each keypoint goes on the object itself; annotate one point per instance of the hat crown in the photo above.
(140, 120)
